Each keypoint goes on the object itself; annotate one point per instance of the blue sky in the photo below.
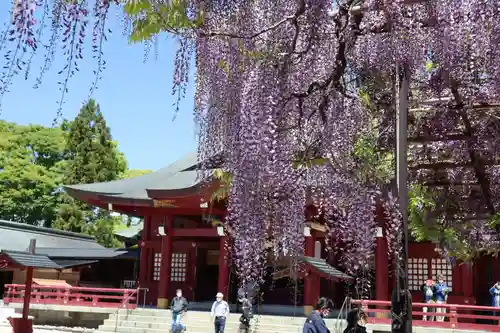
(135, 97)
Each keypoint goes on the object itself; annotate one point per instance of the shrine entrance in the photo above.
(183, 269)
(207, 273)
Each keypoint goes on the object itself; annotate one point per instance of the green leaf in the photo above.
(222, 64)
(136, 7)
(429, 66)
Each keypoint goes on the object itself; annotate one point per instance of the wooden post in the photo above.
(166, 262)
(381, 271)
(309, 279)
(28, 283)
(24, 324)
(222, 284)
(143, 261)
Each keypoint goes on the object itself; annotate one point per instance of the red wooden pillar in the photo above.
(381, 269)
(143, 263)
(24, 324)
(311, 281)
(166, 262)
(223, 281)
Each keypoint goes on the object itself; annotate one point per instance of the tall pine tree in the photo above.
(90, 149)
(92, 157)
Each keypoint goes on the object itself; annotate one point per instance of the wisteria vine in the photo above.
(278, 88)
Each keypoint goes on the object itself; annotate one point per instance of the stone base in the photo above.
(162, 303)
(20, 325)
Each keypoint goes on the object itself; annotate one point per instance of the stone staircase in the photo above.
(160, 321)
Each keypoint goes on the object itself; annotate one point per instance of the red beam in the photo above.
(195, 232)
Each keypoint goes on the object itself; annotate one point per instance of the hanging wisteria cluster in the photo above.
(277, 82)
(277, 88)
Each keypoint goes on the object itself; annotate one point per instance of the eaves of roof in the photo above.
(175, 177)
(26, 259)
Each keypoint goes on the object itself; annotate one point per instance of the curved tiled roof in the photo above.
(177, 176)
(15, 236)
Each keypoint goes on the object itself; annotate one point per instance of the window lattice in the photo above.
(417, 272)
(179, 265)
(156, 266)
(443, 267)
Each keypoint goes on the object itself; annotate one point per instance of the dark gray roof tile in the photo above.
(16, 236)
(135, 188)
(74, 253)
(131, 232)
(68, 263)
(322, 266)
(27, 259)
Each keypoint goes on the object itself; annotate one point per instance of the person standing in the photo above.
(247, 314)
(220, 311)
(441, 291)
(179, 307)
(428, 289)
(315, 323)
(495, 295)
(356, 321)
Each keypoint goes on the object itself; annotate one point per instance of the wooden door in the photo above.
(183, 269)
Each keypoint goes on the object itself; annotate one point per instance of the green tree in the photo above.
(31, 169)
(92, 156)
(91, 153)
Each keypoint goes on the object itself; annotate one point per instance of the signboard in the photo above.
(164, 203)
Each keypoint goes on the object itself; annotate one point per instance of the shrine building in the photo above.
(183, 245)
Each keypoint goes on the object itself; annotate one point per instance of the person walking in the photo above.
(179, 307)
(247, 313)
(356, 321)
(315, 323)
(495, 297)
(428, 288)
(441, 291)
(220, 311)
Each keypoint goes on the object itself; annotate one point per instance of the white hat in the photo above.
(219, 295)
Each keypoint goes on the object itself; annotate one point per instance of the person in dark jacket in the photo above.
(178, 306)
(356, 321)
(315, 323)
(247, 313)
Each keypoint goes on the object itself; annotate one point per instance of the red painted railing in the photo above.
(457, 316)
(74, 296)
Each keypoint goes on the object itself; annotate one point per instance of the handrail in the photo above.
(431, 305)
(104, 290)
(345, 307)
(470, 317)
(136, 292)
(146, 290)
(69, 295)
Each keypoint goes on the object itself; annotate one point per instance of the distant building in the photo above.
(79, 259)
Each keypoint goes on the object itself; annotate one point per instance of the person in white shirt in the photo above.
(220, 310)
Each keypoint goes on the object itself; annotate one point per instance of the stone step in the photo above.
(205, 321)
(204, 329)
(160, 321)
(160, 325)
(166, 317)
